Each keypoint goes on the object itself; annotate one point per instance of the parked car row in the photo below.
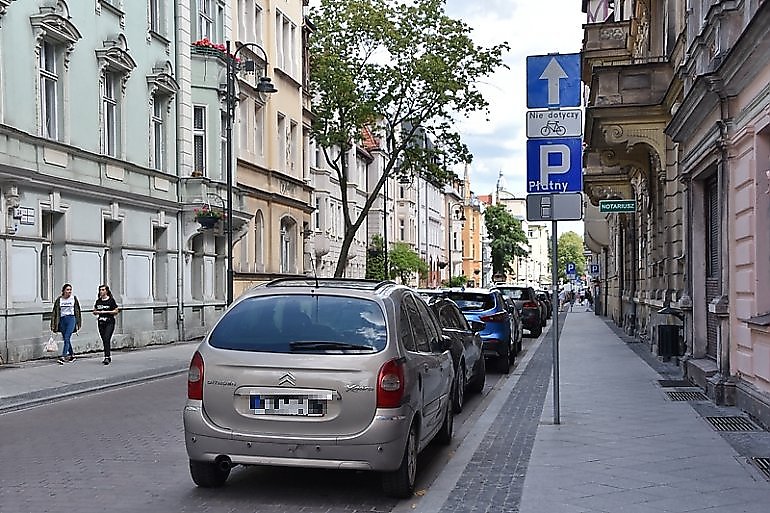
(336, 373)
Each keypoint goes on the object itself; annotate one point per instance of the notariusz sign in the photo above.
(611, 206)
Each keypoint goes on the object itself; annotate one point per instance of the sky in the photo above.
(531, 27)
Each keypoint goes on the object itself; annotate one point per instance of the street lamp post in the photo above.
(264, 86)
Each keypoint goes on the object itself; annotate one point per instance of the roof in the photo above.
(369, 141)
(486, 199)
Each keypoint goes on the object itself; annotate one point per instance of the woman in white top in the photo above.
(65, 319)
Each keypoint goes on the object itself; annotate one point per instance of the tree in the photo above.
(404, 262)
(405, 70)
(375, 259)
(507, 238)
(571, 250)
(455, 281)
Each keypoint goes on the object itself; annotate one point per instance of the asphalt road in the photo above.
(123, 451)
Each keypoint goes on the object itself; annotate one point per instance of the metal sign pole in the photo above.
(555, 327)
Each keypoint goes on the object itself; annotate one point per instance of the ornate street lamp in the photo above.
(264, 86)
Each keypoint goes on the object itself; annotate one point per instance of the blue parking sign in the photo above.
(554, 165)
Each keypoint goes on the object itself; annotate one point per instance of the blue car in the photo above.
(488, 306)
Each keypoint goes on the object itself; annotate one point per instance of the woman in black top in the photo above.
(106, 309)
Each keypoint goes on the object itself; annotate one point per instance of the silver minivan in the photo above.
(324, 373)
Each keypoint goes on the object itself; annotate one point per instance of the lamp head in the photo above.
(266, 86)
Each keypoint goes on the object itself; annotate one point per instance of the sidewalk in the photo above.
(624, 445)
(39, 381)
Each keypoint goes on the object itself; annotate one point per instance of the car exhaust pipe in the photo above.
(223, 463)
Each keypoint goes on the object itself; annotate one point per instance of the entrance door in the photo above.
(713, 268)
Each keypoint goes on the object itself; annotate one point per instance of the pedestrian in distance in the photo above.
(66, 319)
(105, 309)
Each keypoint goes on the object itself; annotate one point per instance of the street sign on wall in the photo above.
(593, 270)
(554, 123)
(553, 81)
(617, 206)
(554, 165)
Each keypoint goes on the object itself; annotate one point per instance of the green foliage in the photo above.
(508, 240)
(404, 262)
(375, 259)
(405, 70)
(571, 250)
(455, 281)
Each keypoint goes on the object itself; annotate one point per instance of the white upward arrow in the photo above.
(553, 73)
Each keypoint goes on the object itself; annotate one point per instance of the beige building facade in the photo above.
(677, 118)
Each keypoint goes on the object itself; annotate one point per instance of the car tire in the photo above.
(536, 332)
(504, 362)
(208, 474)
(479, 377)
(444, 436)
(543, 323)
(400, 482)
(458, 398)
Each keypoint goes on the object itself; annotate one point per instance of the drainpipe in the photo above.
(179, 215)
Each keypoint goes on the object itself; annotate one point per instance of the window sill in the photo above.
(114, 9)
(159, 37)
(286, 76)
(762, 321)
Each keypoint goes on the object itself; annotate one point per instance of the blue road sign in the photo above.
(554, 165)
(553, 81)
(571, 268)
(593, 269)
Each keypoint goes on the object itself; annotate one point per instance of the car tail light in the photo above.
(530, 304)
(195, 378)
(390, 384)
(498, 317)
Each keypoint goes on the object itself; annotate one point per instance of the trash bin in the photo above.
(668, 340)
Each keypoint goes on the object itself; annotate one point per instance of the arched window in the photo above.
(288, 246)
(259, 239)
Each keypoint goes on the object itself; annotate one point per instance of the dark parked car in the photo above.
(518, 326)
(488, 306)
(466, 349)
(545, 298)
(528, 305)
(321, 373)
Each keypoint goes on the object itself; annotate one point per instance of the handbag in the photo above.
(51, 346)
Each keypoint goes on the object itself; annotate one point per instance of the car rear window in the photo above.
(302, 323)
(515, 293)
(468, 301)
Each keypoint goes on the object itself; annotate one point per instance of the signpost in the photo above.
(617, 206)
(554, 160)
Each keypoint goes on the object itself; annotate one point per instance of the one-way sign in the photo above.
(553, 81)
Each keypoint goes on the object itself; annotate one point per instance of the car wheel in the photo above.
(459, 395)
(400, 482)
(479, 377)
(208, 474)
(444, 436)
(504, 362)
(536, 332)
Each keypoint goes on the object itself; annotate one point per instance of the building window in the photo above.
(285, 43)
(206, 19)
(50, 90)
(159, 263)
(401, 229)
(46, 256)
(292, 143)
(158, 133)
(199, 140)
(259, 235)
(282, 148)
(223, 118)
(110, 114)
(288, 246)
(249, 21)
(259, 129)
(156, 17)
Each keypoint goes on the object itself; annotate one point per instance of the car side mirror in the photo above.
(477, 326)
(446, 343)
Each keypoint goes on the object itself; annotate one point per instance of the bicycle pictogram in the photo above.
(553, 127)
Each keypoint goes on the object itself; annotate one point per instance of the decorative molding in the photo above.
(53, 23)
(632, 135)
(115, 57)
(4, 4)
(161, 81)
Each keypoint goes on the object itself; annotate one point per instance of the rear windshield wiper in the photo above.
(311, 345)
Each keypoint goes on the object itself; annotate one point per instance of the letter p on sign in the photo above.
(554, 160)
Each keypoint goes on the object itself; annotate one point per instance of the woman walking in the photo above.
(65, 319)
(106, 309)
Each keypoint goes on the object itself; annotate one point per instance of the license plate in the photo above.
(287, 405)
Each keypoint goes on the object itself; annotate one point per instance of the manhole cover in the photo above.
(674, 383)
(687, 396)
(763, 464)
(732, 424)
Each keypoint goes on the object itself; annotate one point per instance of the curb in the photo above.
(50, 395)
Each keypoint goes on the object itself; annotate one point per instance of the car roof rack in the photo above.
(311, 281)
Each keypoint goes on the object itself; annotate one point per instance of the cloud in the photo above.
(530, 27)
